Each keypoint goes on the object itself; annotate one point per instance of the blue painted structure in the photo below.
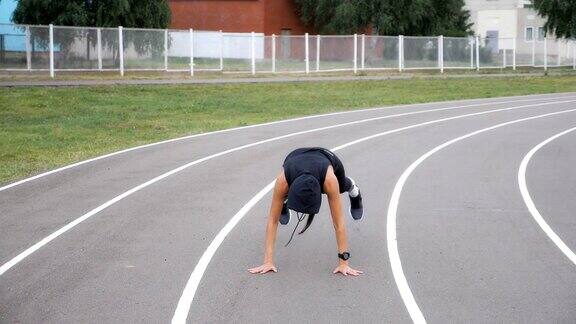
(13, 39)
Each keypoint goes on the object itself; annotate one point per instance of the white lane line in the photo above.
(185, 301)
(116, 199)
(391, 235)
(530, 203)
(14, 184)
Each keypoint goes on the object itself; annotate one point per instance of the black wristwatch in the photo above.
(344, 256)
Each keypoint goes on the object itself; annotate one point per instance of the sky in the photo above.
(6, 9)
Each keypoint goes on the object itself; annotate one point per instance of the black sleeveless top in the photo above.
(308, 160)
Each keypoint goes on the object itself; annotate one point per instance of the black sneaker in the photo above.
(284, 215)
(356, 208)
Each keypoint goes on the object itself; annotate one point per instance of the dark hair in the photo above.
(301, 218)
(308, 223)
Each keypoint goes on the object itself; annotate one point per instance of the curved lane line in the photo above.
(391, 235)
(185, 301)
(118, 198)
(14, 184)
(530, 203)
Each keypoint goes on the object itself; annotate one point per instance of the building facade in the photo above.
(506, 19)
(240, 16)
(490, 18)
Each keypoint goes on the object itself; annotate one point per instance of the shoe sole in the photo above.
(289, 218)
(350, 214)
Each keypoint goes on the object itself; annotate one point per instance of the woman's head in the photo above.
(305, 195)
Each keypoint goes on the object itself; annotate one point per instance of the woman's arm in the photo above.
(332, 189)
(280, 192)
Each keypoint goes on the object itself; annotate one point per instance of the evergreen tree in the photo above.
(335, 16)
(41, 12)
(96, 13)
(561, 15)
(388, 17)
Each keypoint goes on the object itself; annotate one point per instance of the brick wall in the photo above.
(227, 15)
(261, 16)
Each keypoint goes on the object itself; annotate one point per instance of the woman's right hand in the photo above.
(266, 267)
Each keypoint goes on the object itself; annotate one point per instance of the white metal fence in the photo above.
(59, 48)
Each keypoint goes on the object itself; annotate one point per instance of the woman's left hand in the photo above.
(346, 270)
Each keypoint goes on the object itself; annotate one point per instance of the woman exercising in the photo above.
(306, 174)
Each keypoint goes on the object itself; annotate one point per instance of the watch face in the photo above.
(345, 256)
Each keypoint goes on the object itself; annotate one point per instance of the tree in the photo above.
(388, 17)
(94, 13)
(97, 13)
(446, 17)
(561, 15)
(335, 16)
(38, 12)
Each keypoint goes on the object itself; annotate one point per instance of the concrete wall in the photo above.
(503, 21)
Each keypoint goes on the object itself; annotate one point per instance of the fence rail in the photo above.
(63, 48)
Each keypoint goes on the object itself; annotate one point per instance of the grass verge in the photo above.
(43, 128)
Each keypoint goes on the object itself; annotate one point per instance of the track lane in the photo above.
(90, 237)
(71, 224)
(241, 128)
(190, 289)
(471, 251)
(248, 306)
(564, 195)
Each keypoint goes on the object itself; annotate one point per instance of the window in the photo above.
(528, 4)
(541, 33)
(529, 34)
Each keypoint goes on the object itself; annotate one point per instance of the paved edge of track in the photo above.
(530, 203)
(185, 302)
(76, 83)
(41, 175)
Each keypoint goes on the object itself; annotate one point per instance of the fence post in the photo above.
(471, 42)
(317, 53)
(545, 53)
(514, 53)
(99, 45)
(574, 54)
(477, 53)
(355, 53)
(441, 53)
(559, 53)
(306, 49)
(166, 49)
(533, 52)
(28, 49)
(363, 52)
(504, 58)
(51, 51)
(2, 49)
(121, 49)
(253, 50)
(221, 51)
(400, 52)
(191, 52)
(273, 53)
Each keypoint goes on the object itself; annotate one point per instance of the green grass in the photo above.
(43, 128)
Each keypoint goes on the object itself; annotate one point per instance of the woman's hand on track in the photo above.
(266, 267)
(346, 270)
